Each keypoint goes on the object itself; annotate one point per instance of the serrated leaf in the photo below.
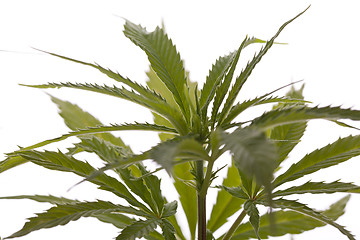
(75, 118)
(252, 153)
(169, 209)
(289, 222)
(63, 214)
(302, 208)
(10, 162)
(61, 162)
(237, 192)
(279, 117)
(158, 105)
(254, 218)
(43, 198)
(318, 187)
(164, 60)
(168, 230)
(341, 150)
(226, 205)
(99, 129)
(244, 75)
(138, 229)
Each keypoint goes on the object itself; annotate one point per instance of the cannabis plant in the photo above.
(196, 126)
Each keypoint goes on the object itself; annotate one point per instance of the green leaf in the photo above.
(237, 192)
(292, 115)
(75, 118)
(169, 209)
(318, 187)
(10, 162)
(226, 205)
(99, 129)
(118, 220)
(63, 214)
(252, 153)
(253, 213)
(302, 208)
(164, 60)
(289, 222)
(158, 105)
(44, 198)
(138, 229)
(341, 150)
(61, 162)
(239, 82)
(168, 230)
(186, 149)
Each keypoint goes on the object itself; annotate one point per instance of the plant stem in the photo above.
(235, 225)
(201, 201)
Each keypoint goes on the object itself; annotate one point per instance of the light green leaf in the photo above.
(116, 219)
(253, 213)
(237, 192)
(239, 82)
(100, 129)
(10, 162)
(138, 229)
(252, 153)
(302, 208)
(289, 222)
(63, 214)
(43, 198)
(164, 60)
(226, 205)
(341, 150)
(75, 118)
(318, 187)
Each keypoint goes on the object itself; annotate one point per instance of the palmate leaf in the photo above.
(76, 118)
(289, 222)
(291, 115)
(239, 82)
(226, 205)
(164, 60)
(341, 150)
(61, 162)
(318, 187)
(304, 209)
(138, 229)
(158, 105)
(63, 214)
(253, 154)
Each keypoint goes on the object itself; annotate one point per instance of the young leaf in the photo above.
(168, 230)
(63, 214)
(341, 150)
(289, 222)
(164, 60)
(138, 229)
(252, 153)
(226, 205)
(44, 198)
(253, 212)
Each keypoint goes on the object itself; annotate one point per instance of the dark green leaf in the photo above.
(168, 230)
(138, 229)
(253, 213)
(169, 209)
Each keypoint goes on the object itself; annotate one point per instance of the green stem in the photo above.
(235, 225)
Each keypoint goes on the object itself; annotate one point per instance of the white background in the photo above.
(323, 50)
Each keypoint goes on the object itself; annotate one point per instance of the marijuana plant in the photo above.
(196, 126)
